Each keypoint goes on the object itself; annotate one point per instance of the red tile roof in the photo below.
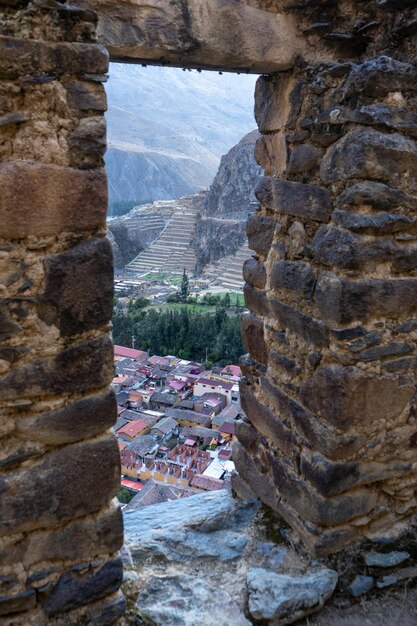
(132, 429)
(138, 355)
(215, 383)
(132, 484)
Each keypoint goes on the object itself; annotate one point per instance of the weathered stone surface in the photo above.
(261, 483)
(75, 422)
(283, 599)
(88, 143)
(377, 78)
(79, 539)
(85, 96)
(382, 352)
(186, 600)
(23, 601)
(304, 158)
(271, 153)
(385, 559)
(367, 153)
(361, 585)
(79, 290)
(369, 224)
(253, 337)
(73, 590)
(271, 96)
(60, 199)
(382, 115)
(260, 231)
(71, 481)
(256, 301)
(285, 363)
(214, 35)
(347, 396)
(313, 429)
(8, 327)
(313, 507)
(210, 525)
(293, 275)
(247, 435)
(81, 367)
(266, 421)
(339, 248)
(344, 301)
(254, 273)
(379, 196)
(400, 365)
(27, 57)
(332, 478)
(309, 328)
(298, 199)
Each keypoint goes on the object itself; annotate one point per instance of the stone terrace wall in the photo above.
(59, 464)
(330, 389)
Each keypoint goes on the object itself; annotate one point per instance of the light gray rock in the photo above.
(285, 599)
(388, 559)
(386, 581)
(204, 526)
(361, 585)
(184, 600)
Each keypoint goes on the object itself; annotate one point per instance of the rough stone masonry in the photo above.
(331, 437)
(330, 390)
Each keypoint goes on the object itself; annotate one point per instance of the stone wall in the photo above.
(60, 531)
(330, 388)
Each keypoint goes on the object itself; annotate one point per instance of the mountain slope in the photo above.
(167, 129)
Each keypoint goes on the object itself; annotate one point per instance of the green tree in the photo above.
(185, 287)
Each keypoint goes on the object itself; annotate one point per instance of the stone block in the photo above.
(284, 363)
(347, 396)
(305, 326)
(339, 248)
(80, 539)
(271, 102)
(271, 153)
(331, 478)
(254, 273)
(370, 154)
(261, 484)
(81, 367)
(344, 301)
(48, 199)
(304, 158)
(380, 76)
(73, 590)
(75, 422)
(85, 96)
(260, 231)
(383, 352)
(79, 290)
(295, 276)
(256, 301)
(247, 435)
(69, 482)
(23, 601)
(8, 327)
(313, 430)
(107, 612)
(22, 58)
(297, 199)
(370, 224)
(265, 421)
(87, 143)
(312, 507)
(253, 337)
(379, 196)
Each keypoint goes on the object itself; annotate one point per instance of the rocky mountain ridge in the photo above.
(221, 213)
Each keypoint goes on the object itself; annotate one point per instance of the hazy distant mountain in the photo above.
(167, 129)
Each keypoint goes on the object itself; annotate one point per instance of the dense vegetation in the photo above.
(121, 207)
(212, 337)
